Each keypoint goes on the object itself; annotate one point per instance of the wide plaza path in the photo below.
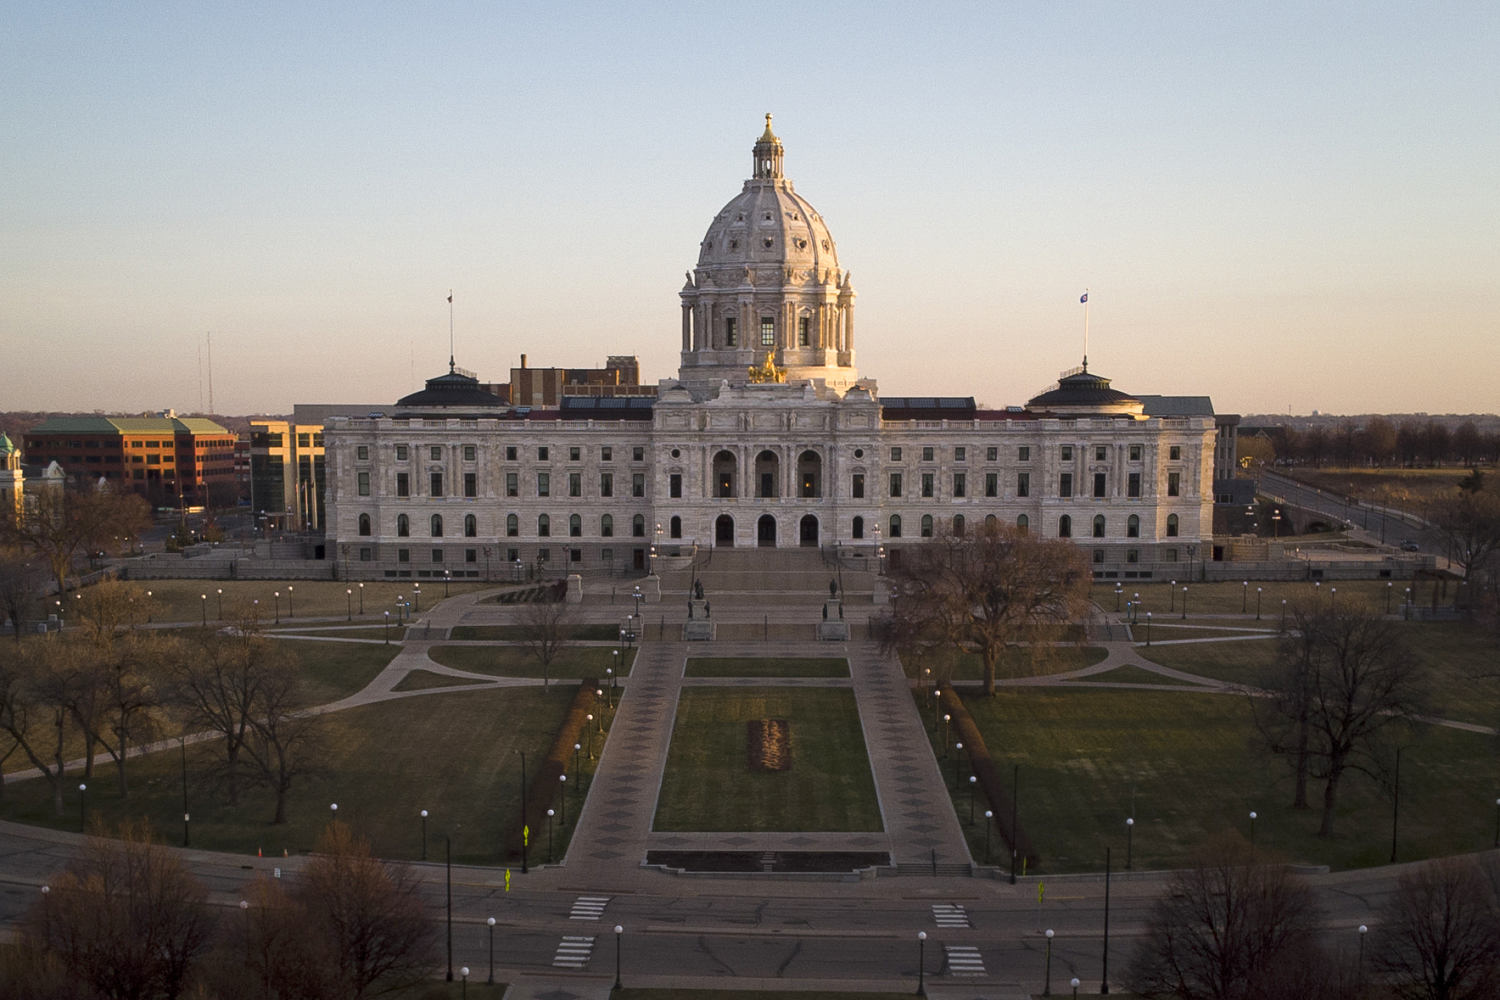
(615, 830)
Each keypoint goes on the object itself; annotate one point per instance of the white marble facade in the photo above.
(449, 482)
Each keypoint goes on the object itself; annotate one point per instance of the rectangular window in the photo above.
(960, 484)
(1023, 484)
(606, 454)
(1175, 453)
(364, 484)
(471, 453)
(366, 554)
(767, 332)
(436, 480)
(1133, 485)
(638, 484)
(638, 454)
(992, 454)
(543, 484)
(606, 484)
(895, 484)
(927, 484)
(575, 484)
(541, 453)
(471, 555)
(804, 331)
(1174, 484)
(1101, 453)
(1065, 485)
(674, 486)
(926, 454)
(731, 336)
(958, 454)
(1169, 556)
(991, 484)
(895, 454)
(1023, 454)
(512, 484)
(1135, 453)
(857, 490)
(574, 454)
(403, 485)
(403, 555)
(471, 485)
(1098, 556)
(436, 453)
(362, 452)
(1099, 484)
(1067, 453)
(1132, 555)
(303, 440)
(437, 555)
(510, 453)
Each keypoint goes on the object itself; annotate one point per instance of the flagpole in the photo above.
(1085, 329)
(450, 331)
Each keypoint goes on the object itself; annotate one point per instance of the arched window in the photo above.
(575, 526)
(607, 526)
(1171, 525)
(958, 526)
(1133, 527)
(638, 526)
(437, 526)
(1023, 524)
(403, 525)
(990, 522)
(675, 527)
(471, 526)
(364, 524)
(859, 527)
(543, 526)
(926, 525)
(512, 526)
(1065, 527)
(895, 526)
(1098, 525)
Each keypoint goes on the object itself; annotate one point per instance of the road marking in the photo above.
(588, 907)
(573, 952)
(964, 960)
(950, 915)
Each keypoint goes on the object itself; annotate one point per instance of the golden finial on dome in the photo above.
(768, 372)
(768, 135)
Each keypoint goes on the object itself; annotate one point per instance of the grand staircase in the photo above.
(767, 577)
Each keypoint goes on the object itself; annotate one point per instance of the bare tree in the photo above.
(1439, 935)
(1347, 677)
(1232, 927)
(126, 918)
(34, 707)
(20, 586)
(61, 522)
(985, 591)
(1469, 520)
(284, 741)
(546, 626)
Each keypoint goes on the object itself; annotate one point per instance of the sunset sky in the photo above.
(1286, 206)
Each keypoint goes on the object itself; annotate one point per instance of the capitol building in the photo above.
(768, 437)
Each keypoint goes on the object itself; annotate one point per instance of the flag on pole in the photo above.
(1081, 299)
(450, 298)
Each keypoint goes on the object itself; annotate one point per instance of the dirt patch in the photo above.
(769, 744)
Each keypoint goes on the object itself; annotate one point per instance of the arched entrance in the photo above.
(767, 475)
(724, 470)
(808, 533)
(809, 474)
(765, 531)
(724, 531)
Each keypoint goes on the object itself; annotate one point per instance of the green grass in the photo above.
(382, 764)
(1014, 662)
(371, 633)
(758, 666)
(334, 670)
(181, 600)
(425, 680)
(515, 633)
(1187, 765)
(571, 663)
(709, 787)
(1131, 675)
(665, 994)
(1221, 599)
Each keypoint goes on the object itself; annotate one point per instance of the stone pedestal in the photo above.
(698, 609)
(882, 592)
(574, 592)
(833, 627)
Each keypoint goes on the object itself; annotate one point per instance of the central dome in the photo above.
(768, 282)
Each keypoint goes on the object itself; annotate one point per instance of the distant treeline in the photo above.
(1411, 441)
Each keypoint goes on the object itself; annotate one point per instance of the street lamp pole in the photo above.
(619, 933)
(1047, 981)
(549, 836)
(921, 963)
(525, 832)
(1148, 628)
(361, 599)
(203, 605)
(221, 604)
(348, 604)
(187, 840)
(423, 814)
(1257, 602)
(491, 924)
(1252, 827)
(1129, 841)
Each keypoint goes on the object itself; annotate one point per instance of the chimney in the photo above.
(523, 361)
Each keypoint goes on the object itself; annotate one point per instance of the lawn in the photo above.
(708, 785)
(513, 633)
(382, 764)
(1014, 662)
(757, 666)
(190, 601)
(1187, 765)
(571, 662)
(1164, 597)
(334, 670)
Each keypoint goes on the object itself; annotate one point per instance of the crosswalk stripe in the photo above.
(573, 952)
(950, 915)
(964, 960)
(588, 907)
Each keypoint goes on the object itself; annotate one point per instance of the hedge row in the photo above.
(543, 788)
(996, 787)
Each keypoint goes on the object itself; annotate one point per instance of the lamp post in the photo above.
(1389, 586)
(525, 833)
(577, 765)
(921, 963)
(447, 576)
(148, 605)
(1118, 591)
(562, 794)
(1148, 628)
(973, 780)
(619, 933)
(946, 719)
(416, 590)
(276, 595)
(958, 763)
(187, 839)
(361, 599)
(291, 612)
(1359, 969)
(610, 671)
(1497, 823)
(1074, 983)
(245, 909)
(1283, 614)
(1252, 827)
(423, 814)
(1171, 596)
(989, 818)
(490, 922)
(333, 812)
(83, 806)
(1047, 980)
(1184, 602)
(348, 604)
(1257, 603)
(588, 727)
(549, 836)
(1275, 523)
(1244, 596)
(221, 604)
(464, 972)
(1129, 840)
(387, 628)
(203, 606)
